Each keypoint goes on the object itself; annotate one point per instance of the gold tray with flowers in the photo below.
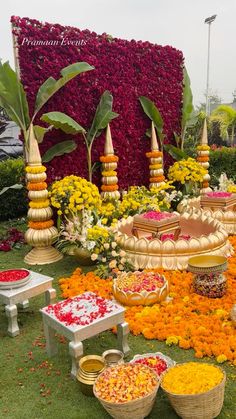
(140, 288)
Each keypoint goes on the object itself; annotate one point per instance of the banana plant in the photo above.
(13, 97)
(102, 118)
(153, 113)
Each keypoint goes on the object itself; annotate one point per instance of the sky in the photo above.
(179, 23)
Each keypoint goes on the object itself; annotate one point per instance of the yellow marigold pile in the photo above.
(186, 171)
(184, 321)
(192, 378)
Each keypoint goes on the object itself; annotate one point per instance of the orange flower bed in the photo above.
(202, 159)
(109, 159)
(109, 188)
(188, 320)
(40, 225)
(153, 154)
(154, 179)
(39, 186)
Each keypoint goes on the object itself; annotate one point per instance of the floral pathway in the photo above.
(188, 320)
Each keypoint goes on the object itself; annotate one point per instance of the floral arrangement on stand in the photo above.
(188, 175)
(226, 184)
(203, 151)
(79, 206)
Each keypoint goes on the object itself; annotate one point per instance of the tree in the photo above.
(225, 116)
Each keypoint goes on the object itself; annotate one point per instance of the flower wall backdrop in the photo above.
(128, 69)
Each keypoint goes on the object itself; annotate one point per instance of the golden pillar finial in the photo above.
(155, 156)
(33, 154)
(108, 149)
(154, 143)
(204, 139)
(203, 158)
(109, 166)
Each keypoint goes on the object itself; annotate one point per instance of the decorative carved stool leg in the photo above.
(50, 296)
(11, 313)
(24, 304)
(51, 343)
(122, 335)
(75, 351)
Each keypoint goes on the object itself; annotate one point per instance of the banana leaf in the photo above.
(175, 152)
(62, 121)
(64, 147)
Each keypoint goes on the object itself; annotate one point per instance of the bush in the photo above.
(13, 203)
(222, 160)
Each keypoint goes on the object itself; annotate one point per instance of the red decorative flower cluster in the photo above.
(13, 275)
(81, 310)
(158, 216)
(13, 237)
(128, 69)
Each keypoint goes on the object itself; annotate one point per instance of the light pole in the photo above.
(209, 21)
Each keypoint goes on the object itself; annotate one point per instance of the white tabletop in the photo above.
(36, 280)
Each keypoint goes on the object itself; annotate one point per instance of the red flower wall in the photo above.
(128, 69)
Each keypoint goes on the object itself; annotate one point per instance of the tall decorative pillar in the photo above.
(41, 232)
(155, 157)
(203, 158)
(109, 166)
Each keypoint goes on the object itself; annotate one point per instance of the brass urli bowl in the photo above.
(113, 357)
(207, 264)
(89, 368)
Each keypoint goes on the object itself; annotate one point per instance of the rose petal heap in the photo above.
(192, 378)
(154, 362)
(125, 383)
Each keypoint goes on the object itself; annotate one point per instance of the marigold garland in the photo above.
(203, 147)
(203, 159)
(158, 179)
(109, 173)
(205, 184)
(153, 154)
(155, 166)
(35, 170)
(39, 186)
(109, 159)
(40, 225)
(39, 204)
(185, 321)
(109, 188)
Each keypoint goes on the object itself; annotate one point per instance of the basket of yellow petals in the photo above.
(195, 390)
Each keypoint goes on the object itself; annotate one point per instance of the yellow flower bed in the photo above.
(73, 194)
(192, 378)
(186, 171)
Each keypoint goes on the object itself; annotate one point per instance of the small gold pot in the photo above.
(83, 256)
(89, 369)
(113, 357)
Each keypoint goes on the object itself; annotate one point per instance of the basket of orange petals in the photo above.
(127, 391)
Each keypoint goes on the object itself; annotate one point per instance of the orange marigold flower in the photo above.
(158, 179)
(36, 186)
(202, 159)
(153, 154)
(40, 225)
(109, 188)
(109, 159)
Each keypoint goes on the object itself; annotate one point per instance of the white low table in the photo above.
(39, 284)
(74, 329)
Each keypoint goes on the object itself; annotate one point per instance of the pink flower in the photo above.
(158, 216)
(219, 194)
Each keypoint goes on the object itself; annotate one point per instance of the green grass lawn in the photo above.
(37, 387)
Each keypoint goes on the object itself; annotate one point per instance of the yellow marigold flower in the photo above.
(221, 358)
(172, 340)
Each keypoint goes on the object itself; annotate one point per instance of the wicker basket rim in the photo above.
(130, 402)
(197, 394)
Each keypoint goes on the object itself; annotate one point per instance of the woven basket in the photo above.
(135, 409)
(206, 405)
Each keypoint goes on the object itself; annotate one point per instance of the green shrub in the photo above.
(13, 203)
(222, 160)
